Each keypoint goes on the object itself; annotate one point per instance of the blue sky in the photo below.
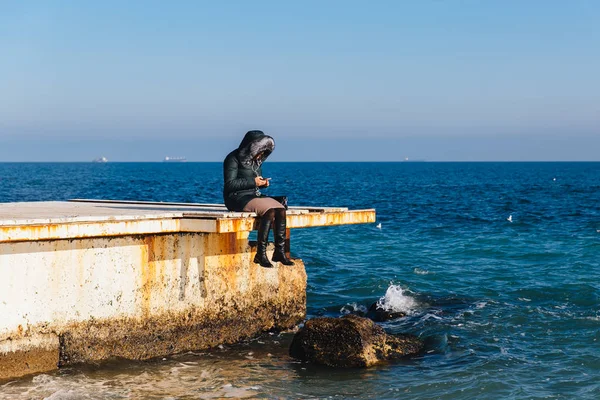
(330, 80)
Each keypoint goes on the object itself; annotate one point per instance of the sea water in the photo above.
(495, 264)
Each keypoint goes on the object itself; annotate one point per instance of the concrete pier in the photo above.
(90, 280)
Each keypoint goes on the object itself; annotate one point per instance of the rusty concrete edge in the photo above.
(313, 219)
(87, 230)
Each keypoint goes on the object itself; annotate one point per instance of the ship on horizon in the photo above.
(174, 159)
(100, 160)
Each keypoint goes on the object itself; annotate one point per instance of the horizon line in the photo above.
(313, 161)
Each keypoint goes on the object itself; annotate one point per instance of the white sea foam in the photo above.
(231, 391)
(42, 379)
(64, 395)
(396, 300)
(420, 271)
(429, 316)
(481, 304)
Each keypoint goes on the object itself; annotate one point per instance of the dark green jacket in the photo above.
(241, 167)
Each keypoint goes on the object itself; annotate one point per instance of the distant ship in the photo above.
(100, 160)
(174, 159)
(411, 160)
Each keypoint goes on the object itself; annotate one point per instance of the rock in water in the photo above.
(349, 341)
(378, 314)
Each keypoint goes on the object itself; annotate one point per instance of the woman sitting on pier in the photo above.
(243, 178)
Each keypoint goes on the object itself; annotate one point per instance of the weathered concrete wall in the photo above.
(92, 280)
(137, 296)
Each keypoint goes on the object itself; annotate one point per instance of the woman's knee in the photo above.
(279, 210)
(270, 213)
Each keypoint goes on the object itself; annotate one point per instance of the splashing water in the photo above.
(396, 300)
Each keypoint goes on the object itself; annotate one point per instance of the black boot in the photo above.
(279, 235)
(262, 238)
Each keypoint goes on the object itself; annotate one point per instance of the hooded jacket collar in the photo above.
(255, 142)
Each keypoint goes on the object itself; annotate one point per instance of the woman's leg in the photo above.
(279, 230)
(262, 239)
(265, 208)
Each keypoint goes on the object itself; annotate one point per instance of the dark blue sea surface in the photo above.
(496, 264)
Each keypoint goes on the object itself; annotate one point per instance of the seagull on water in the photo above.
(509, 219)
(379, 225)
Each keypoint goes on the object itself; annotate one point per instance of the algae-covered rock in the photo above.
(349, 341)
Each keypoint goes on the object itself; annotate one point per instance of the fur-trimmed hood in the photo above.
(254, 143)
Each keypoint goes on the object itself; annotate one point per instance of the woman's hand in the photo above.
(261, 182)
